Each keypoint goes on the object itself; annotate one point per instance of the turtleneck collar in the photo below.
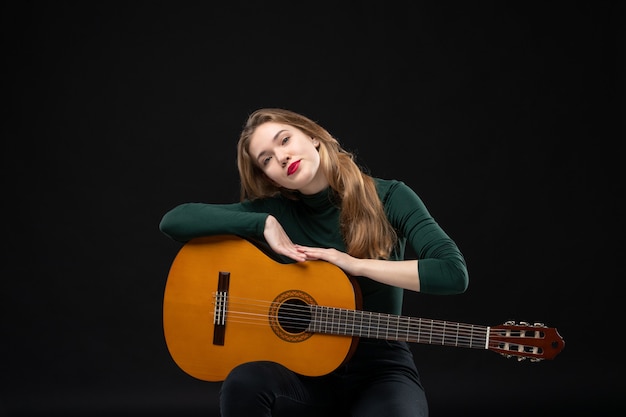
(325, 199)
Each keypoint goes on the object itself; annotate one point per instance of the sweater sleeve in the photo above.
(442, 268)
(191, 220)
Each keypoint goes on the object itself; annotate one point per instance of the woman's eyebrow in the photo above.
(263, 152)
(278, 134)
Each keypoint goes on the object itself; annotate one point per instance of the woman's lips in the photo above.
(293, 167)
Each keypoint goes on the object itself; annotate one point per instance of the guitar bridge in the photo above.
(219, 312)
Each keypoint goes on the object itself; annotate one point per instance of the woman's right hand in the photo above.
(278, 240)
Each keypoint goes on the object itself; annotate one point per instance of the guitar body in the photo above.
(257, 286)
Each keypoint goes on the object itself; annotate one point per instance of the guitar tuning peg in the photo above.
(523, 323)
(521, 358)
(509, 323)
(539, 324)
(536, 359)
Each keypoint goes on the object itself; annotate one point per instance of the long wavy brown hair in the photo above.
(364, 226)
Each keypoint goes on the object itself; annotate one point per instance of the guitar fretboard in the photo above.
(338, 321)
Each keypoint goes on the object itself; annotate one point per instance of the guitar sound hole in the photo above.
(294, 316)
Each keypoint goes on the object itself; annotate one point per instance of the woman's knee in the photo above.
(248, 389)
(251, 376)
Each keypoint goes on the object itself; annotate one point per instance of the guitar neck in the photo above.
(345, 322)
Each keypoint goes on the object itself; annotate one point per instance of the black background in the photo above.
(507, 119)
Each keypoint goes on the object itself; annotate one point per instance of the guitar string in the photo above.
(436, 339)
(470, 341)
(436, 331)
(409, 337)
(404, 327)
(437, 334)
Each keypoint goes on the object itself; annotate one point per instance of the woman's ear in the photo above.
(316, 142)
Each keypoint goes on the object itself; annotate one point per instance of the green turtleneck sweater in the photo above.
(313, 220)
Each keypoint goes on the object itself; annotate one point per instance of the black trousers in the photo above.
(380, 380)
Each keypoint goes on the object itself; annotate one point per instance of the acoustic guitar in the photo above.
(227, 302)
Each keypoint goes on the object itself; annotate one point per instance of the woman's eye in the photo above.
(266, 160)
(285, 140)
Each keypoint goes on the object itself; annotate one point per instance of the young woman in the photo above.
(305, 196)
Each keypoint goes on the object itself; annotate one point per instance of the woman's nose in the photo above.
(284, 160)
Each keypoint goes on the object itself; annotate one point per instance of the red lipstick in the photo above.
(293, 167)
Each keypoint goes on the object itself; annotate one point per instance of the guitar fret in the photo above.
(397, 327)
(342, 322)
(339, 321)
(408, 327)
(314, 326)
(360, 324)
(419, 329)
(387, 327)
(352, 322)
(330, 312)
(328, 319)
(430, 339)
(486, 338)
(443, 334)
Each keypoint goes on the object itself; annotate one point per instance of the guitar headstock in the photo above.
(525, 341)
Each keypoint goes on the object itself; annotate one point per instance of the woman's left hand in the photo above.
(403, 274)
(344, 261)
